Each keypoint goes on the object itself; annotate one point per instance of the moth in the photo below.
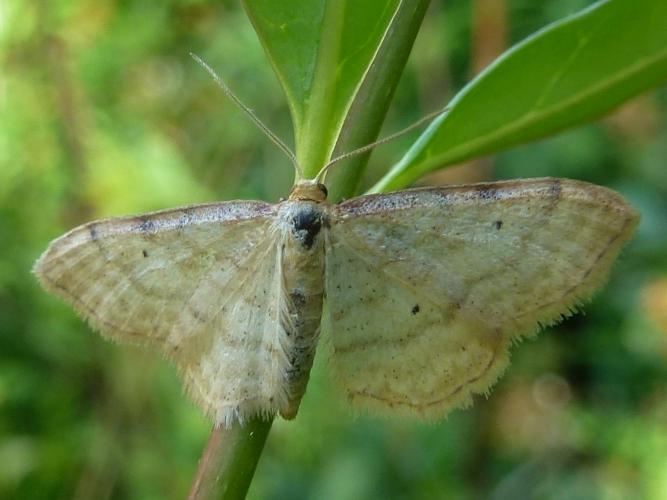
(425, 289)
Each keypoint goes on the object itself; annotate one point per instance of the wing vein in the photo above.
(390, 275)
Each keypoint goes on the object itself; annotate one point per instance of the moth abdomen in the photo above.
(302, 269)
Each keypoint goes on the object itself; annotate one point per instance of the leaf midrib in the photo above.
(529, 118)
(533, 116)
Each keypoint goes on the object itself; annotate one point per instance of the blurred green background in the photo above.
(103, 113)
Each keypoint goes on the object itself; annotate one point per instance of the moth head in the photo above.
(311, 190)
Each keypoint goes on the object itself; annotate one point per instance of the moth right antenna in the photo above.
(251, 114)
(390, 137)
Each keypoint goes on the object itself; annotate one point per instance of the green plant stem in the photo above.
(228, 462)
(369, 108)
(231, 455)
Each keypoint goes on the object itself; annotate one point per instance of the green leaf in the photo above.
(338, 62)
(569, 73)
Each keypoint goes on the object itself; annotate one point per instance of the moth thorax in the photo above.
(306, 224)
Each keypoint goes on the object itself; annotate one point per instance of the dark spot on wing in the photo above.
(485, 192)
(415, 309)
(145, 253)
(185, 218)
(93, 232)
(147, 226)
(498, 224)
(306, 225)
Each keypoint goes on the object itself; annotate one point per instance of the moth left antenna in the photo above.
(251, 114)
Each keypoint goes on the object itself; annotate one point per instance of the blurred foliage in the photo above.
(103, 113)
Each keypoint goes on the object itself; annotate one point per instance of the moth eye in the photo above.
(323, 188)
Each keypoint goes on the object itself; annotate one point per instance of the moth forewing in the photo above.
(204, 285)
(428, 288)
